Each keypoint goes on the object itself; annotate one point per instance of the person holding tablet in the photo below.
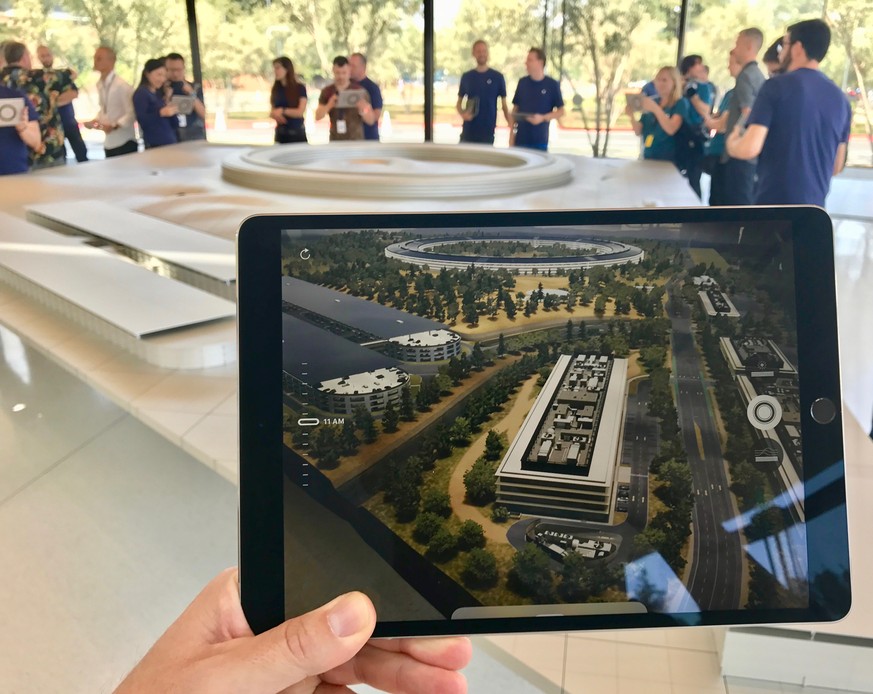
(478, 92)
(156, 117)
(211, 649)
(346, 123)
(661, 119)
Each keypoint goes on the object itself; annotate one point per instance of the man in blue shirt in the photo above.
(537, 101)
(477, 98)
(16, 138)
(799, 125)
(701, 95)
(358, 65)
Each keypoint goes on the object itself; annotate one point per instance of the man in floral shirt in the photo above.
(47, 90)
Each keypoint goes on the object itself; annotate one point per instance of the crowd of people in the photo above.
(353, 102)
(168, 108)
(774, 139)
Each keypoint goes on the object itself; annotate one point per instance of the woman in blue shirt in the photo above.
(661, 118)
(155, 116)
(288, 102)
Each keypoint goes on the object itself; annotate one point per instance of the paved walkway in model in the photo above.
(509, 424)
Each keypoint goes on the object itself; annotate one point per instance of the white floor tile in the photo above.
(584, 683)
(643, 662)
(694, 668)
(593, 657)
(634, 686)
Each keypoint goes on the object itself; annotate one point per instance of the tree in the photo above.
(493, 446)
(325, 443)
(460, 432)
(480, 569)
(575, 583)
(403, 487)
(530, 575)
(480, 483)
(477, 358)
(443, 545)
(390, 419)
(470, 535)
(427, 525)
(509, 307)
(603, 32)
(500, 514)
(335, 27)
(407, 412)
(501, 345)
(365, 422)
(850, 21)
(569, 331)
(348, 438)
(600, 305)
(437, 502)
(677, 490)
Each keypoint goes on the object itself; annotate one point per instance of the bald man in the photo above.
(68, 114)
(116, 115)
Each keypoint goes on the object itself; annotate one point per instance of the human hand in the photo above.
(536, 118)
(331, 102)
(466, 116)
(21, 126)
(649, 104)
(277, 115)
(169, 110)
(211, 649)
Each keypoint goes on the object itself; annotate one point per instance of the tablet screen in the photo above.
(491, 422)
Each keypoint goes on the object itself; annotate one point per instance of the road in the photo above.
(716, 574)
(640, 445)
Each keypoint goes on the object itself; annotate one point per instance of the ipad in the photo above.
(10, 112)
(494, 422)
(634, 100)
(349, 98)
(184, 102)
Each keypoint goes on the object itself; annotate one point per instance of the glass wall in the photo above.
(713, 26)
(239, 41)
(73, 29)
(599, 48)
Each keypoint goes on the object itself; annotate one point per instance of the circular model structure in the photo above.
(396, 171)
(592, 253)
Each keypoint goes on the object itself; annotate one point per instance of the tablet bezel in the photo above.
(260, 396)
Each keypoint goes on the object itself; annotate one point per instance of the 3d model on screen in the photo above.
(553, 416)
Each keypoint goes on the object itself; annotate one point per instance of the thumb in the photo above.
(301, 647)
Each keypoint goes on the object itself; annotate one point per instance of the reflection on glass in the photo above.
(621, 53)
(239, 44)
(15, 355)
